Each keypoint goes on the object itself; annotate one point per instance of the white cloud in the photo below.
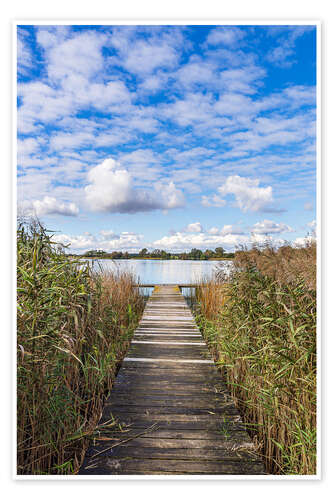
(153, 83)
(194, 227)
(50, 36)
(212, 201)
(41, 103)
(262, 239)
(61, 140)
(194, 235)
(108, 240)
(193, 109)
(68, 58)
(313, 226)
(51, 206)
(181, 241)
(270, 227)
(111, 189)
(213, 230)
(283, 55)
(302, 242)
(225, 125)
(145, 57)
(230, 229)
(196, 71)
(308, 206)
(232, 104)
(27, 146)
(245, 80)
(74, 64)
(249, 196)
(24, 55)
(227, 35)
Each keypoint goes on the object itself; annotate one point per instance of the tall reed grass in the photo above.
(73, 328)
(261, 325)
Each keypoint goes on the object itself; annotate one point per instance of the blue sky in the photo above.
(168, 137)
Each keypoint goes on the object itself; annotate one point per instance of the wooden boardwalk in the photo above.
(174, 410)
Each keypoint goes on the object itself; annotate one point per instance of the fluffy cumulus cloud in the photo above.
(51, 206)
(249, 196)
(230, 229)
(111, 189)
(194, 235)
(182, 241)
(106, 240)
(194, 227)
(228, 236)
(270, 227)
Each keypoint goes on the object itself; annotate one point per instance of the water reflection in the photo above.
(165, 271)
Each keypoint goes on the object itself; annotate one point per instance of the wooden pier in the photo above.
(173, 411)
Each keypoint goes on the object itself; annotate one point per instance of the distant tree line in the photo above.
(194, 254)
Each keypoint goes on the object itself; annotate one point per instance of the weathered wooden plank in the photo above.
(166, 390)
(224, 424)
(169, 411)
(151, 379)
(175, 371)
(157, 395)
(168, 351)
(169, 359)
(172, 453)
(125, 466)
(189, 403)
(167, 367)
(120, 409)
(235, 438)
(204, 437)
(152, 442)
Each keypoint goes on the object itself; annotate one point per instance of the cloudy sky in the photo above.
(168, 137)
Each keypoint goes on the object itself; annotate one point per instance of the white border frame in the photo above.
(319, 145)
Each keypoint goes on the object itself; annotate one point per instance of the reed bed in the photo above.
(261, 326)
(73, 328)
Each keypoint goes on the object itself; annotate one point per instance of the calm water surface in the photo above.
(166, 271)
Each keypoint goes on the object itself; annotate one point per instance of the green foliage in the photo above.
(194, 254)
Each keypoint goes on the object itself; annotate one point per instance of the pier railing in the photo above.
(180, 285)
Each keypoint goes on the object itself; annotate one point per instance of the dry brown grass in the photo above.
(261, 327)
(284, 264)
(73, 328)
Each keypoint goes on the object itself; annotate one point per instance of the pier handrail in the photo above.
(180, 285)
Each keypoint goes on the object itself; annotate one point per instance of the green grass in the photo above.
(73, 328)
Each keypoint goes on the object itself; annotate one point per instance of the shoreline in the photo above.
(153, 258)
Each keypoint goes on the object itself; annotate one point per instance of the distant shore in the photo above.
(148, 258)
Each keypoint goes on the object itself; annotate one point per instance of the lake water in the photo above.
(166, 271)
